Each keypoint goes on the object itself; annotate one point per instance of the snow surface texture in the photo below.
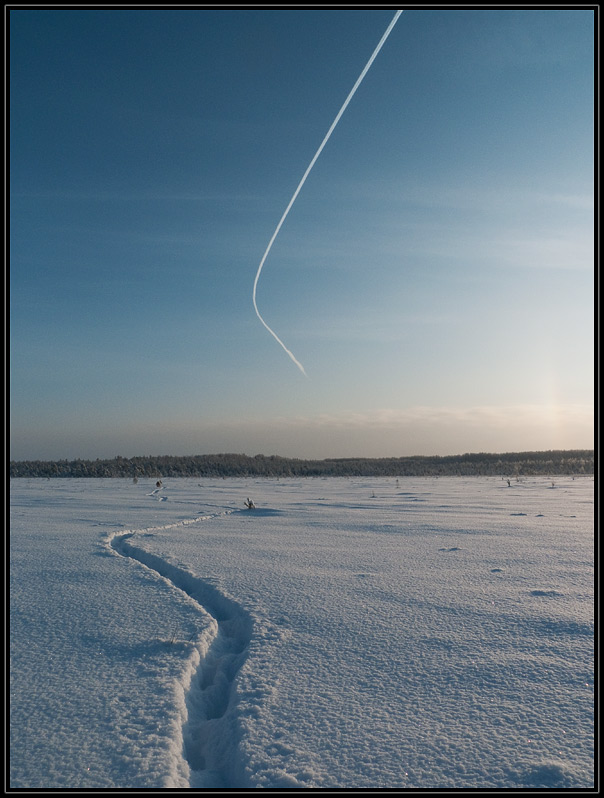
(346, 633)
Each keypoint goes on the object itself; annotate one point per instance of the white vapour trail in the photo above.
(310, 166)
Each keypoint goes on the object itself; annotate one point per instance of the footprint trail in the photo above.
(208, 733)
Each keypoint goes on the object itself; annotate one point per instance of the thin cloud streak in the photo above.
(500, 416)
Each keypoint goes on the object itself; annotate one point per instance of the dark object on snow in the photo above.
(249, 504)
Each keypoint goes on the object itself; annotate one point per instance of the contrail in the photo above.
(310, 166)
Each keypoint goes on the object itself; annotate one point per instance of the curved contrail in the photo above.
(310, 166)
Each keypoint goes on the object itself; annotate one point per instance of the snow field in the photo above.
(346, 633)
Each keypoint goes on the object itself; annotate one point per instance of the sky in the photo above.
(435, 275)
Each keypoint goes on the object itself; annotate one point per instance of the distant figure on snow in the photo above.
(249, 504)
(158, 483)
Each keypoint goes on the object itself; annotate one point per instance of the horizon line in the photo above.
(306, 459)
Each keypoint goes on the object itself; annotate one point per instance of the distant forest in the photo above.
(562, 462)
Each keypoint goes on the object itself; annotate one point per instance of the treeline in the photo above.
(569, 462)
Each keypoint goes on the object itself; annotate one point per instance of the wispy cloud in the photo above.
(373, 328)
(463, 194)
(498, 416)
(118, 195)
(552, 252)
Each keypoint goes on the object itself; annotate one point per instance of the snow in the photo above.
(346, 633)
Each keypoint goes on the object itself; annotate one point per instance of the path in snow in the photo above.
(208, 736)
(410, 640)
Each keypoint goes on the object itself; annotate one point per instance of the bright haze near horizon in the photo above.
(434, 276)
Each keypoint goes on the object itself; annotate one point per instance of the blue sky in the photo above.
(434, 276)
